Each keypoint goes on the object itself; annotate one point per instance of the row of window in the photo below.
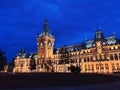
(95, 58)
(115, 66)
(86, 51)
(68, 54)
(102, 67)
(115, 56)
(114, 47)
(72, 53)
(42, 44)
(102, 57)
(66, 61)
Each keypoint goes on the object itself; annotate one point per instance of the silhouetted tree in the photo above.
(11, 65)
(3, 60)
(12, 62)
(74, 69)
(49, 66)
(32, 63)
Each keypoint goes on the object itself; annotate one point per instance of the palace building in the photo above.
(100, 55)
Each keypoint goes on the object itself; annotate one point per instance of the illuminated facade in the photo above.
(100, 55)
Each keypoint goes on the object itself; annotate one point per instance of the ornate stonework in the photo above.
(100, 55)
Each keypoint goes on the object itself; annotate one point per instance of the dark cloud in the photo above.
(71, 21)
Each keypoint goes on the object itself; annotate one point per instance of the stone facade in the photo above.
(100, 55)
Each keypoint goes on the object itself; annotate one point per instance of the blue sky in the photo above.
(71, 21)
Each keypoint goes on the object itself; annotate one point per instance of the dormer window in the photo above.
(49, 44)
(93, 45)
(111, 40)
(41, 44)
(103, 43)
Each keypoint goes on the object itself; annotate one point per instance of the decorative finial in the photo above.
(46, 30)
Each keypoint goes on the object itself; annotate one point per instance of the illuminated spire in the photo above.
(46, 30)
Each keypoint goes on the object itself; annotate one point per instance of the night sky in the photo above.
(70, 21)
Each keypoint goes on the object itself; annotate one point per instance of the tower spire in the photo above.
(45, 42)
(46, 30)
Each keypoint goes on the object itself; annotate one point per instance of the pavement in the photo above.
(103, 86)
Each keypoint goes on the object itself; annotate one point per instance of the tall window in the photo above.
(104, 57)
(85, 67)
(92, 67)
(97, 66)
(119, 55)
(89, 67)
(111, 56)
(49, 44)
(41, 44)
(85, 59)
(101, 66)
(96, 57)
(113, 66)
(91, 58)
(106, 66)
(22, 65)
(117, 66)
(88, 59)
(116, 57)
(100, 57)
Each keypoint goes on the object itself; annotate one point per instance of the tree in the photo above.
(49, 66)
(11, 65)
(74, 69)
(3, 60)
(32, 63)
(12, 62)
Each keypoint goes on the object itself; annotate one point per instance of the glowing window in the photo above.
(49, 44)
(41, 44)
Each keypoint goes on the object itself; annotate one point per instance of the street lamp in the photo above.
(56, 65)
(64, 66)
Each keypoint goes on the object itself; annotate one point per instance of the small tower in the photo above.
(45, 42)
(99, 38)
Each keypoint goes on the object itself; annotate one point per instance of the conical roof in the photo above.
(46, 30)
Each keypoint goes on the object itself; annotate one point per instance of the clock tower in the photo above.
(99, 40)
(45, 42)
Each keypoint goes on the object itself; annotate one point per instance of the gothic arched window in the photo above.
(41, 44)
(49, 44)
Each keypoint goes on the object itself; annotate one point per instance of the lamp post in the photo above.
(56, 66)
(64, 66)
(100, 67)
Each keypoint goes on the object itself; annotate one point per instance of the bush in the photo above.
(74, 69)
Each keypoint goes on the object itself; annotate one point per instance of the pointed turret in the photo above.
(45, 42)
(99, 35)
(46, 30)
